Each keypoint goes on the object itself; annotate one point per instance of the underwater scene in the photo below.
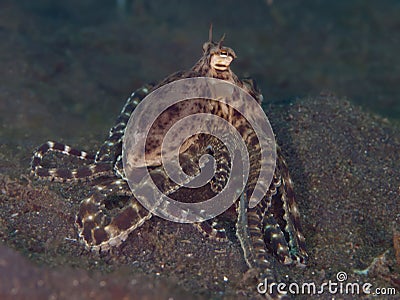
(89, 207)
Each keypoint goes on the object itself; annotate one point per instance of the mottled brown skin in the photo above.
(272, 228)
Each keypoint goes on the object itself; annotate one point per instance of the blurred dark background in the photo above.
(74, 62)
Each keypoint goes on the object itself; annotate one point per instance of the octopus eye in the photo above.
(223, 53)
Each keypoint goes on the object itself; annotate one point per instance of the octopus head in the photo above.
(220, 57)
